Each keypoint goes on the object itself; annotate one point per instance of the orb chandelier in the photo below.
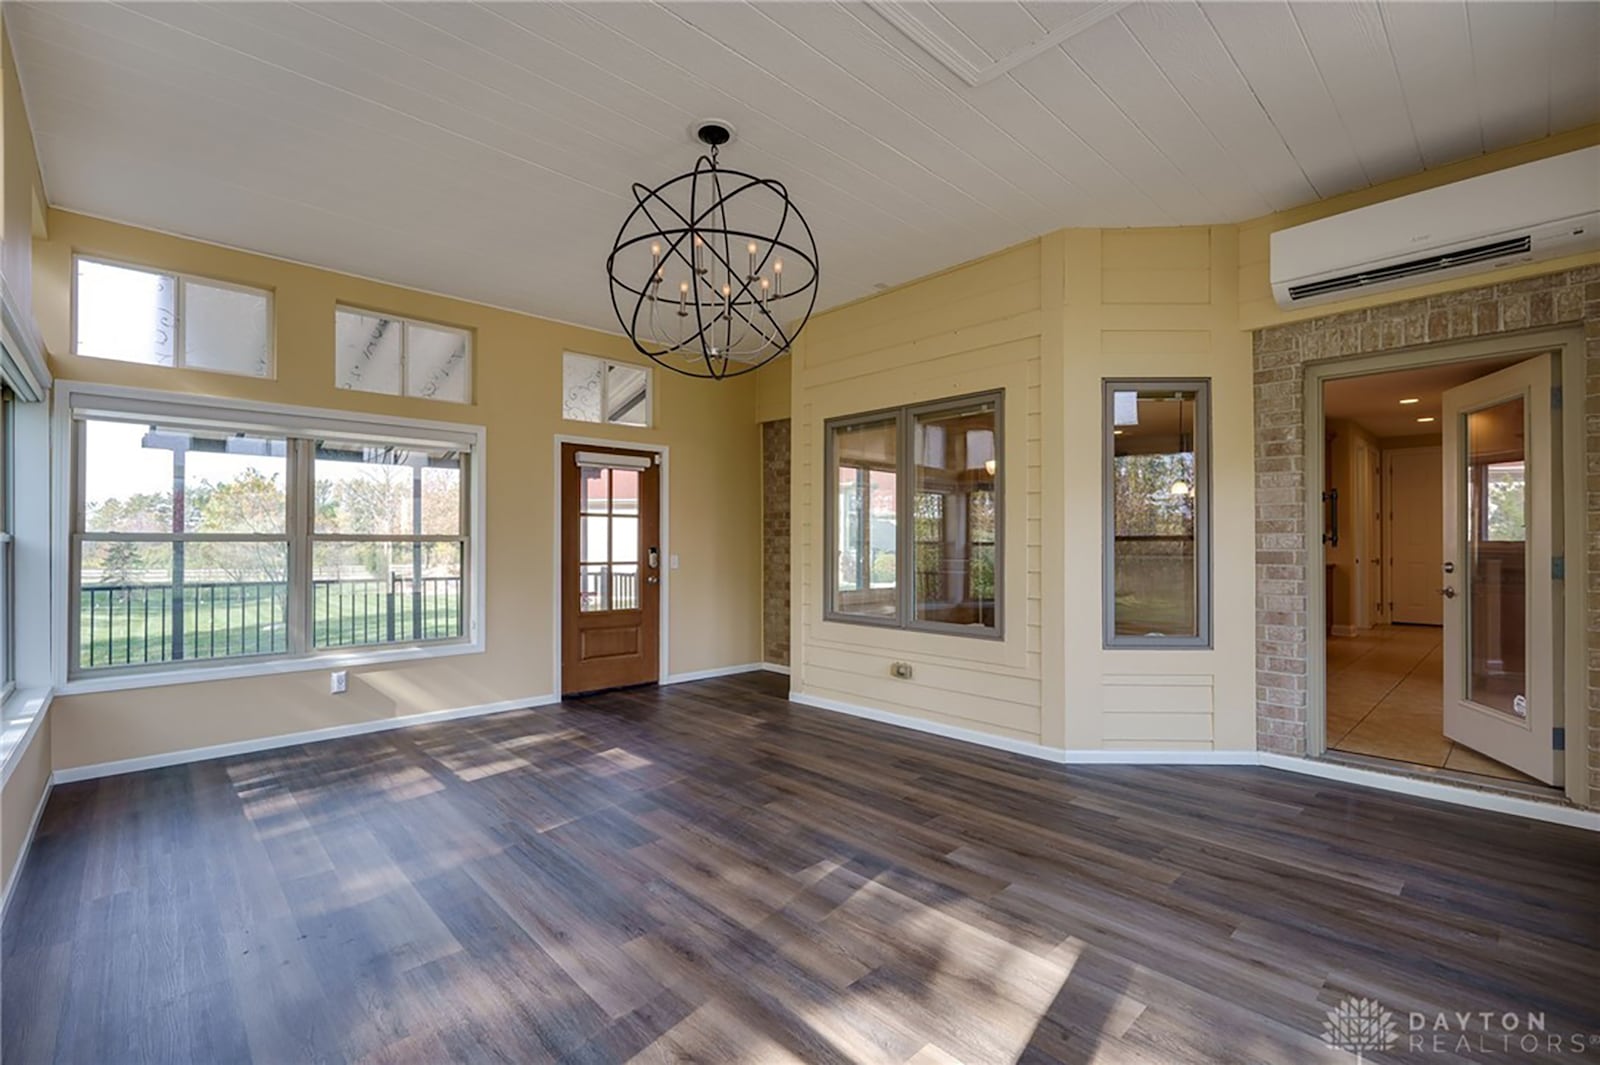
(714, 272)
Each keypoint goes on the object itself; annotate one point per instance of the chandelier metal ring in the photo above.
(678, 287)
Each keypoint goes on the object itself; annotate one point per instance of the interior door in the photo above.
(1501, 516)
(1416, 527)
(611, 569)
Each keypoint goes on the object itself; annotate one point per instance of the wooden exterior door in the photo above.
(610, 568)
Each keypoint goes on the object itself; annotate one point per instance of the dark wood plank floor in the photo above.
(709, 872)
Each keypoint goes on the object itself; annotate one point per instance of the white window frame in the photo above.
(178, 296)
(76, 400)
(8, 588)
(405, 353)
(605, 390)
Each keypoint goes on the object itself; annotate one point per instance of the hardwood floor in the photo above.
(709, 872)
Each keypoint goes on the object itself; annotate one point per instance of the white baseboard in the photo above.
(935, 728)
(22, 852)
(773, 667)
(712, 674)
(292, 739)
(1492, 801)
(1103, 756)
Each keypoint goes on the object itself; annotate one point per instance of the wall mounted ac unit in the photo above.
(1523, 214)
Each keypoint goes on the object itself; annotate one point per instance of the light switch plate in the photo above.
(339, 682)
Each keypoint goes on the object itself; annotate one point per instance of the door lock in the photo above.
(1448, 592)
(653, 560)
(1449, 567)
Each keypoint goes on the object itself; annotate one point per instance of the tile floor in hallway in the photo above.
(1386, 700)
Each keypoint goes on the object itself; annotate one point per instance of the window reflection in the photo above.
(1155, 503)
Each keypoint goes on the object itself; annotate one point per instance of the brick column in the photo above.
(1282, 545)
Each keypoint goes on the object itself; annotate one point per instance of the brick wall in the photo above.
(775, 541)
(1281, 537)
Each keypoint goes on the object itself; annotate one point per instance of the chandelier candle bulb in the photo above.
(699, 256)
(752, 275)
(683, 299)
(777, 277)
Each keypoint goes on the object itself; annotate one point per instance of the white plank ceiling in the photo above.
(486, 150)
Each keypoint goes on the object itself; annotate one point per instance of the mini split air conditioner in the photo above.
(1521, 215)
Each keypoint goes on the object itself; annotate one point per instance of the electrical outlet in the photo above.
(902, 670)
(339, 682)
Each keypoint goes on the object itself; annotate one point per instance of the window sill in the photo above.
(111, 682)
(21, 714)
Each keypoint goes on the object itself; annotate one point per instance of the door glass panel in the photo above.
(625, 586)
(624, 491)
(1497, 557)
(592, 587)
(608, 540)
(592, 539)
(624, 539)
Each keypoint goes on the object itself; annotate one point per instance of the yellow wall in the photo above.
(19, 799)
(1257, 308)
(20, 187)
(19, 190)
(1046, 321)
(714, 499)
(772, 390)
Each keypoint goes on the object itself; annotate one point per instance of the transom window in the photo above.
(401, 356)
(162, 318)
(198, 540)
(600, 390)
(913, 505)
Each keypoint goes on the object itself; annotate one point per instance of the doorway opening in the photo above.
(1441, 531)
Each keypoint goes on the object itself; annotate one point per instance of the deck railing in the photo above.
(132, 624)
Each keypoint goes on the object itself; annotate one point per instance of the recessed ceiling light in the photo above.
(1429, 419)
(1407, 402)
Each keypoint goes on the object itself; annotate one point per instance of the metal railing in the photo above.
(591, 589)
(133, 624)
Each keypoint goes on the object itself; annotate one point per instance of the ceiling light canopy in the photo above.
(714, 272)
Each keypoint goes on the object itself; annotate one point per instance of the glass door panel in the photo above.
(1497, 556)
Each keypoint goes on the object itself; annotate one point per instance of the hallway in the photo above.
(1386, 700)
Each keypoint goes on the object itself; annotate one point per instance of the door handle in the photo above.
(653, 579)
(1448, 592)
